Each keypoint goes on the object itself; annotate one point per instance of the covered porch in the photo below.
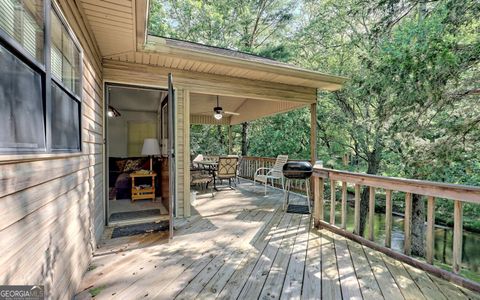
(241, 245)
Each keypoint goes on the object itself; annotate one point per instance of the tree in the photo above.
(402, 73)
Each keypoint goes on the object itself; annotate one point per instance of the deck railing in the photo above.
(459, 194)
(250, 164)
(341, 180)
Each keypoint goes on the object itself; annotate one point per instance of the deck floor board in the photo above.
(241, 245)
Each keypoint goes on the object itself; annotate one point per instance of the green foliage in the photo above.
(287, 133)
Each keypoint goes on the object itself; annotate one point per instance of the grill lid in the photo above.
(297, 170)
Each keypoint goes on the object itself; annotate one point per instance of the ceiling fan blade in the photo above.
(231, 113)
(203, 113)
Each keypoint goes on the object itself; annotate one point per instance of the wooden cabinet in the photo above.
(141, 191)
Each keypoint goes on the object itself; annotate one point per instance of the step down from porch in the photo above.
(298, 209)
(130, 230)
(129, 215)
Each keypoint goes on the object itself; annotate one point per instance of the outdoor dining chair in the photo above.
(227, 169)
(264, 174)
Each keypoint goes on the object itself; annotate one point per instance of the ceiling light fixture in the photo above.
(218, 111)
(112, 112)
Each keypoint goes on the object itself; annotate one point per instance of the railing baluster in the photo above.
(388, 218)
(371, 213)
(317, 199)
(357, 209)
(457, 235)
(344, 205)
(321, 190)
(430, 228)
(407, 224)
(332, 201)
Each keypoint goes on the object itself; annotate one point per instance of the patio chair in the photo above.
(227, 169)
(264, 174)
(201, 178)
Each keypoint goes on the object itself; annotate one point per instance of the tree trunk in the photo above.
(418, 225)
(373, 166)
(221, 140)
(244, 138)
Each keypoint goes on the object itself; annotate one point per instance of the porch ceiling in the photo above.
(201, 108)
(112, 22)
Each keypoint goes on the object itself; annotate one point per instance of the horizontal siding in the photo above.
(52, 209)
(179, 140)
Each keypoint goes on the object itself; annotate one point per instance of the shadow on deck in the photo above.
(241, 245)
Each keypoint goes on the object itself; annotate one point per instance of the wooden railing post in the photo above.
(333, 201)
(407, 224)
(457, 235)
(388, 218)
(430, 228)
(357, 210)
(344, 205)
(317, 200)
(371, 213)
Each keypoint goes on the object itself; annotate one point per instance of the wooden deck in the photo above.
(240, 245)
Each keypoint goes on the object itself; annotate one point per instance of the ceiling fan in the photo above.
(218, 111)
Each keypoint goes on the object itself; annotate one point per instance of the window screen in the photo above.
(23, 21)
(65, 120)
(21, 105)
(65, 56)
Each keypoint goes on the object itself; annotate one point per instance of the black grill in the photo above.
(297, 170)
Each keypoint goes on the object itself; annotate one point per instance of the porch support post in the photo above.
(230, 142)
(313, 139)
(313, 132)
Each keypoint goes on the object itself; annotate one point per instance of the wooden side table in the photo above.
(141, 192)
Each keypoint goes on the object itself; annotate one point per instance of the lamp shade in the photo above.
(150, 147)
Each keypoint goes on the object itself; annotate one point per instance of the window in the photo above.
(21, 105)
(39, 106)
(65, 66)
(22, 20)
(65, 56)
(65, 120)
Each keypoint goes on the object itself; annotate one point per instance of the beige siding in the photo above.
(203, 83)
(182, 141)
(51, 206)
(186, 154)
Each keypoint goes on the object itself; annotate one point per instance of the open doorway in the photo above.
(138, 167)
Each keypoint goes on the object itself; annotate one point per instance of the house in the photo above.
(58, 60)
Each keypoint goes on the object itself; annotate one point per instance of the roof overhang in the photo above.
(244, 66)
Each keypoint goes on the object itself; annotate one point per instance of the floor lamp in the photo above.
(150, 148)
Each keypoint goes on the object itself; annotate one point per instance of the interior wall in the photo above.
(118, 130)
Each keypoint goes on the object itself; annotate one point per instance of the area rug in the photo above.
(298, 209)
(130, 230)
(128, 215)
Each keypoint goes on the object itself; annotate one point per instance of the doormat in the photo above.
(298, 209)
(130, 230)
(129, 215)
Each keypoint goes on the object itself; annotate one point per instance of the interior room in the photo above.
(137, 160)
